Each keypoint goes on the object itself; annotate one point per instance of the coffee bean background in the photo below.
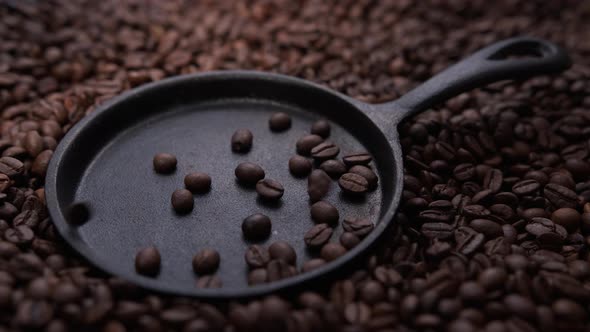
(508, 155)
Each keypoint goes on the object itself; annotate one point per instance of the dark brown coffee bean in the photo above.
(468, 240)
(332, 250)
(269, 189)
(318, 185)
(487, 227)
(206, 261)
(493, 180)
(353, 183)
(525, 187)
(279, 121)
(437, 230)
(359, 226)
(77, 214)
(318, 235)
(209, 281)
(11, 167)
(4, 182)
(278, 269)
(367, 173)
(520, 306)
(182, 201)
(19, 235)
(257, 256)
(357, 158)
(321, 128)
(492, 278)
(33, 143)
(282, 250)
(348, 240)
(197, 182)
(256, 227)
(39, 167)
(335, 168)
(299, 166)
(568, 218)
(241, 141)
(164, 163)
(249, 173)
(325, 150)
(324, 212)
(147, 261)
(560, 196)
(538, 226)
(257, 276)
(312, 264)
(306, 143)
(464, 172)
(33, 314)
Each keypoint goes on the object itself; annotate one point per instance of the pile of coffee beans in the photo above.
(493, 230)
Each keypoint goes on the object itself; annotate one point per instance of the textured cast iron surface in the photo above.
(106, 160)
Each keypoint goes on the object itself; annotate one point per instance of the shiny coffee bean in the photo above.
(197, 182)
(182, 201)
(282, 250)
(324, 212)
(269, 189)
(299, 166)
(331, 251)
(257, 256)
(349, 240)
(352, 183)
(321, 128)
(357, 158)
(241, 141)
(11, 167)
(318, 185)
(306, 143)
(367, 173)
(206, 261)
(318, 235)
(249, 173)
(256, 227)
(333, 167)
(279, 122)
(324, 151)
(164, 163)
(358, 226)
(568, 218)
(147, 261)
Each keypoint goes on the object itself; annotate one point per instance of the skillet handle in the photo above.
(488, 65)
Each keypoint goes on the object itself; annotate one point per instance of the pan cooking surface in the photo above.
(131, 203)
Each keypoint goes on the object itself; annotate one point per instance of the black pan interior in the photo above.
(107, 161)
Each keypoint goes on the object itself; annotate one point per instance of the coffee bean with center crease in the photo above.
(279, 121)
(367, 173)
(147, 261)
(241, 141)
(257, 256)
(318, 185)
(318, 235)
(19, 235)
(560, 196)
(321, 128)
(493, 180)
(437, 230)
(331, 251)
(182, 201)
(256, 227)
(357, 158)
(299, 166)
(77, 213)
(164, 163)
(525, 187)
(278, 269)
(538, 226)
(282, 250)
(269, 189)
(305, 144)
(249, 173)
(487, 227)
(352, 183)
(325, 150)
(464, 172)
(197, 182)
(468, 240)
(358, 226)
(335, 168)
(324, 212)
(12, 167)
(206, 261)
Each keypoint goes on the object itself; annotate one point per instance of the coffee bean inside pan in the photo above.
(353, 183)
(269, 189)
(256, 227)
(321, 128)
(164, 163)
(279, 121)
(147, 261)
(249, 173)
(241, 140)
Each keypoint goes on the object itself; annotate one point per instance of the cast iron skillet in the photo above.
(106, 160)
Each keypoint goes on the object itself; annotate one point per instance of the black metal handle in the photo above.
(490, 64)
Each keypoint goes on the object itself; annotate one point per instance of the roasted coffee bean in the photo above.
(358, 226)
(324, 212)
(321, 128)
(353, 183)
(464, 172)
(487, 227)
(249, 173)
(525, 187)
(335, 168)
(493, 180)
(197, 182)
(4, 182)
(299, 166)
(256, 227)
(312, 264)
(318, 235)
(357, 158)
(257, 256)
(206, 261)
(257, 276)
(278, 269)
(40, 164)
(182, 201)
(437, 230)
(77, 214)
(318, 185)
(538, 226)
(325, 150)
(306, 143)
(568, 218)
(282, 250)
(164, 163)
(241, 141)
(11, 167)
(147, 261)
(560, 196)
(19, 235)
(209, 281)
(348, 240)
(332, 250)
(269, 189)
(279, 121)
(468, 240)
(367, 173)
